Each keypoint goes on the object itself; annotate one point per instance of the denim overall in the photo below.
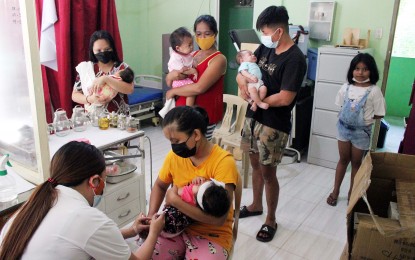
(351, 124)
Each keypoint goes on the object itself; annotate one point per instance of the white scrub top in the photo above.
(73, 229)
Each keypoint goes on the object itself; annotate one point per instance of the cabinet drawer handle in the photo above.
(123, 198)
(125, 214)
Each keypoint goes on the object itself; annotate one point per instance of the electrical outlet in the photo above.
(378, 33)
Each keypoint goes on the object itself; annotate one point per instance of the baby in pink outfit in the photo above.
(211, 196)
(181, 59)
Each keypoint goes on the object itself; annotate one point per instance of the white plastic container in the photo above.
(8, 189)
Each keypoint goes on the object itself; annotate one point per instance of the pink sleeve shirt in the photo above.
(187, 194)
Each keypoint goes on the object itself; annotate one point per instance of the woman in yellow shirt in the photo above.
(193, 155)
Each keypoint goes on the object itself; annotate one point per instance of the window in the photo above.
(404, 42)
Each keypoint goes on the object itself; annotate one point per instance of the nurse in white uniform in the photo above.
(58, 222)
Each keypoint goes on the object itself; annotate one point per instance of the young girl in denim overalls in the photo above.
(361, 103)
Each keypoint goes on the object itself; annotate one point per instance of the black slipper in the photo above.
(268, 231)
(331, 200)
(244, 213)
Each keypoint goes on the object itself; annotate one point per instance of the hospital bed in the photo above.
(147, 98)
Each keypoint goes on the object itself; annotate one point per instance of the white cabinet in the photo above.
(321, 19)
(123, 201)
(332, 66)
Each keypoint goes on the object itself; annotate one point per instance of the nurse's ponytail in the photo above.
(70, 166)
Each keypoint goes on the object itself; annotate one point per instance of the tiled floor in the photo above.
(308, 228)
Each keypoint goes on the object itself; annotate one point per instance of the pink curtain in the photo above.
(77, 20)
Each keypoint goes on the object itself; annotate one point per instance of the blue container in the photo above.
(312, 54)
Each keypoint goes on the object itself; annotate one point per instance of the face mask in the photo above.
(267, 41)
(95, 190)
(182, 150)
(364, 81)
(104, 57)
(97, 200)
(205, 43)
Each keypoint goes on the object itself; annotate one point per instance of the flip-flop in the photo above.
(331, 200)
(268, 231)
(244, 212)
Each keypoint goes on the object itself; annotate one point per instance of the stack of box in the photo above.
(382, 178)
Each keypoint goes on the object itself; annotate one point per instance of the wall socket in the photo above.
(378, 33)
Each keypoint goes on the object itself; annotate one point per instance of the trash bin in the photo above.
(384, 127)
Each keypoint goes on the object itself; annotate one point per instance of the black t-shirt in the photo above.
(279, 72)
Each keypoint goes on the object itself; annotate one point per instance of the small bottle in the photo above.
(61, 123)
(132, 124)
(113, 119)
(8, 190)
(104, 120)
(96, 110)
(121, 122)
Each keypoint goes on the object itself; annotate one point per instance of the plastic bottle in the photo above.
(8, 190)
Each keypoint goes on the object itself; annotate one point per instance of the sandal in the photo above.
(244, 213)
(266, 233)
(331, 200)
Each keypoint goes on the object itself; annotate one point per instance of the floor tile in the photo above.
(285, 255)
(328, 221)
(296, 210)
(314, 245)
(249, 248)
(305, 191)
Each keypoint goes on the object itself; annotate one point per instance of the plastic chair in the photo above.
(233, 118)
(232, 143)
(237, 195)
(228, 135)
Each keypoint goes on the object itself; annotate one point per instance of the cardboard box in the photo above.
(405, 193)
(378, 237)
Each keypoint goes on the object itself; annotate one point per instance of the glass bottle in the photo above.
(113, 119)
(132, 124)
(104, 120)
(79, 119)
(61, 123)
(96, 110)
(121, 124)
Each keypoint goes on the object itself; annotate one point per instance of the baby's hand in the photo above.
(198, 180)
(252, 79)
(103, 99)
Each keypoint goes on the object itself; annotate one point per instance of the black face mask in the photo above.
(104, 56)
(182, 150)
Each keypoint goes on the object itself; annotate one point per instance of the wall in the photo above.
(366, 15)
(349, 13)
(399, 86)
(232, 17)
(142, 22)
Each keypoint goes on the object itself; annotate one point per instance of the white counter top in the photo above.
(102, 139)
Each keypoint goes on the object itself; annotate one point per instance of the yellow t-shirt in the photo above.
(221, 166)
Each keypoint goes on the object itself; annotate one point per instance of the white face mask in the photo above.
(267, 41)
(97, 200)
(364, 81)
